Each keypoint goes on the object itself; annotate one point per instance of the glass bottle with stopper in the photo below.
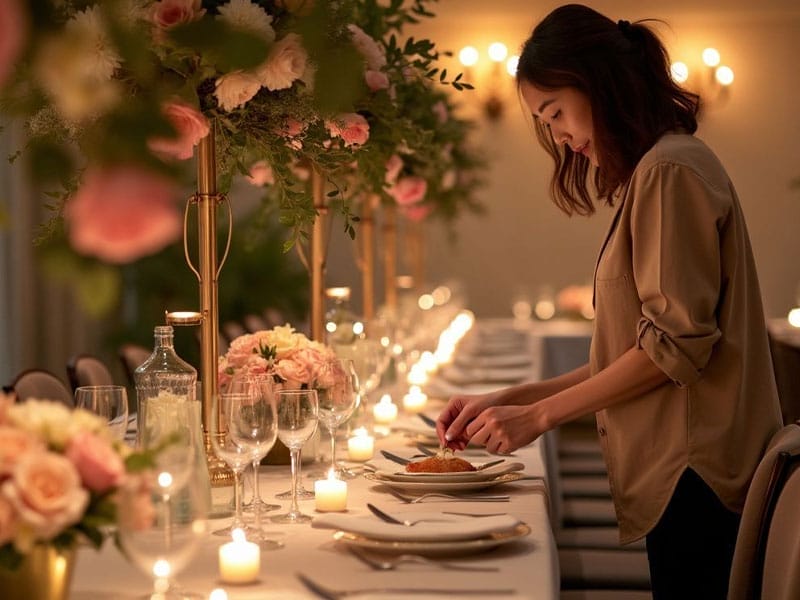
(341, 324)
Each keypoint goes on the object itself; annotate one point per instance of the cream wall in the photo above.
(525, 242)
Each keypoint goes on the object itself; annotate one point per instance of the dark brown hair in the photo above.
(624, 70)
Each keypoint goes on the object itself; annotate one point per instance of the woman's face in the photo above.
(568, 115)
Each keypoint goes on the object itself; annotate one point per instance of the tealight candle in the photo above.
(385, 411)
(414, 401)
(239, 560)
(330, 494)
(361, 446)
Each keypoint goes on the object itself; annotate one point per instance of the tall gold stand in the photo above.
(318, 244)
(390, 256)
(367, 233)
(416, 253)
(207, 200)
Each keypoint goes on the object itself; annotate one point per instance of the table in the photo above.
(529, 565)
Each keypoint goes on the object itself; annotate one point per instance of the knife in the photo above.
(394, 458)
(427, 420)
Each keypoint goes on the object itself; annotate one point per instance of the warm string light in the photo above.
(497, 55)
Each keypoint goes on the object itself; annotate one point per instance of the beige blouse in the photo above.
(676, 278)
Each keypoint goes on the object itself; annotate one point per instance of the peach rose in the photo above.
(45, 490)
(376, 80)
(351, 127)
(286, 62)
(190, 126)
(417, 212)
(6, 402)
(236, 89)
(15, 443)
(122, 213)
(135, 504)
(294, 371)
(13, 30)
(8, 521)
(393, 167)
(408, 190)
(261, 174)
(169, 13)
(99, 466)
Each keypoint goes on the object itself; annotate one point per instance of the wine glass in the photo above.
(260, 387)
(107, 401)
(370, 361)
(337, 401)
(161, 522)
(297, 421)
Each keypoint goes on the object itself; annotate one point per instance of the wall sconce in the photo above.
(713, 85)
(491, 76)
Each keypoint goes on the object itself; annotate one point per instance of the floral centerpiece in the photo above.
(59, 472)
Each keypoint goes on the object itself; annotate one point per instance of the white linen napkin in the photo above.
(448, 528)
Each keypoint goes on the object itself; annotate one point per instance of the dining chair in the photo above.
(786, 364)
(132, 356)
(231, 330)
(85, 369)
(768, 543)
(253, 323)
(41, 384)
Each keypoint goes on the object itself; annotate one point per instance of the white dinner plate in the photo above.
(444, 486)
(460, 477)
(446, 548)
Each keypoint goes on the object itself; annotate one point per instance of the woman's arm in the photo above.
(505, 428)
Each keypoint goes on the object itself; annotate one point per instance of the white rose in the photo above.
(369, 48)
(235, 89)
(243, 14)
(286, 63)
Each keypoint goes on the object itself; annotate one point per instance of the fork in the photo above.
(331, 594)
(389, 564)
(394, 520)
(446, 497)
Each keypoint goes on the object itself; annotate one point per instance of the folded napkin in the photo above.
(445, 528)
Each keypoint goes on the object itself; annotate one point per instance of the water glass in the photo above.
(107, 401)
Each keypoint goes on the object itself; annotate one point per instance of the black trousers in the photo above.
(690, 550)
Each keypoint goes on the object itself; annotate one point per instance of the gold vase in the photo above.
(45, 574)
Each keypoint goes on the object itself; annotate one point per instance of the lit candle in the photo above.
(414, 401)
(330, 494)
(361, 446)
(385, 411)
(239, 560)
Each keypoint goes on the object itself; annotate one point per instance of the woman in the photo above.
(679, 374)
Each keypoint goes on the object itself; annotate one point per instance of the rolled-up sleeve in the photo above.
(675, 227)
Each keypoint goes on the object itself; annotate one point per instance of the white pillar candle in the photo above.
(385, 411)
(239, 560)
(330, 494)
(415, 400)
(361, 446)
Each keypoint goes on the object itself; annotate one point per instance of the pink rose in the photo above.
(393, 167)
(122, 213)
(370, 49)
(236, 89)
(441, 112)
(293, 370)
(99, 466)
(408, 190)
(417, 212)
(169, 13)
(45, 490)
(14, 443)
(261, 174)
(291, 130)
(286, 63)
(376, 80)
(8, 521)
(190, 126)
(13, 30)
(351, 127)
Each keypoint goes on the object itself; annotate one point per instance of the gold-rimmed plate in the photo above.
(429, 485)
(438, 548)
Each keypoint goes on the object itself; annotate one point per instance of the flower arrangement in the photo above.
(288, 356)
(59, 472)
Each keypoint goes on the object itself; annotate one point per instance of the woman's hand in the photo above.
(503, 429)
(459, 412)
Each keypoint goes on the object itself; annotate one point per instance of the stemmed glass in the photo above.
(370, 361)
(297, 421)
(162, 519)
(107, 401)
(337, 402)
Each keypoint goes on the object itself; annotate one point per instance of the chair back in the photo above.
(747, 570)
(132, 356)
(85, 369)
(786, 363)
(41, 384)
